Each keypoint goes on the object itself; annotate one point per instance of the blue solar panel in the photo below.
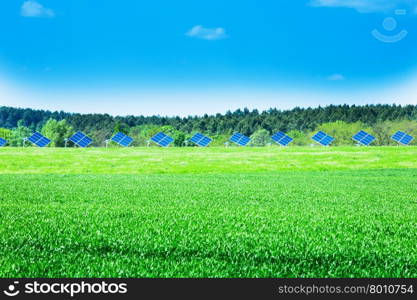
(43, 142)
(407, 140)
(286, 141)
(236, 137)
(402, 138)
(398, 136)
(327, 140)
(162, 139)
(158, 137)
(122, 139)
(126, 141)
(77, 137)
(39, 140)
(368, 140)
(196, 138)
(118, 137)
(360, 136)
(2, 142)
(204, 142)
(282, 139)
(364, 138)
(81, 139)
(85, 142)
(244, 141)
(323, 138)
(319, 136)
(240, 139)
(35, 138)
(278, 136)
(201, 140)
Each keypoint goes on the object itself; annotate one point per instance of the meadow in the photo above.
(215, 212)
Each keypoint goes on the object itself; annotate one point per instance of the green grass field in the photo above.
(215, 212)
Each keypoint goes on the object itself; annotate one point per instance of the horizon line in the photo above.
(260, 111)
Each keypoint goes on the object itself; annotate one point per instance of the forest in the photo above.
(340, 121)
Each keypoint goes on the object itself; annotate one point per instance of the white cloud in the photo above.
(210, 34)
(34, 9)
(336, 77)
(367, 6)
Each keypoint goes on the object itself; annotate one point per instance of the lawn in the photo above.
(202, 161)
(216, 212)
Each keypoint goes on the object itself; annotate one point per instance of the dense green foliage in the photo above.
(57, 132)
(18, 134)
(5, 133)
(301, 121)
(260, 138)
(217, 212)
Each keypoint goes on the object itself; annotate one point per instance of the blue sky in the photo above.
(191, 57)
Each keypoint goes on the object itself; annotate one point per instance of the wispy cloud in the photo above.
(210, 34)
(367, 6)
(336, 77)
(34, 9)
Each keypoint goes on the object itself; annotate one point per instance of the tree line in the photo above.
(340, 121)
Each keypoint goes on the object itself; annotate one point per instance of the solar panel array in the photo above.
(402, 138)
(282, 139)
(122, 139)
(364, 138)
(81, 140)
(323, 138)
(39, 140)
(162, 139)
(240, 139)
(201, 140)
